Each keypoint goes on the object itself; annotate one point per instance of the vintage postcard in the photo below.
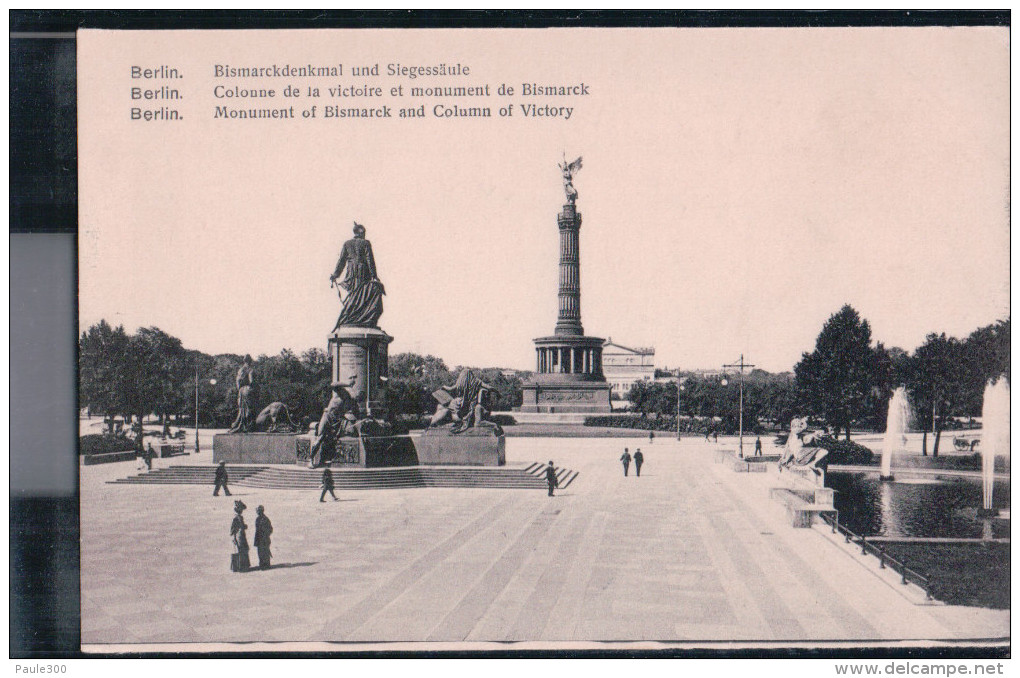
(544, 339)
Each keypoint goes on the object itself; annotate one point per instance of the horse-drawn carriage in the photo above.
(965, 444)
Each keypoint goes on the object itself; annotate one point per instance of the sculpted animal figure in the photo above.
(278, 417)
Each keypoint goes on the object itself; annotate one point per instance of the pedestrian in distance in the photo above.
(651, 437)
(150, 454)
(238, 532)
(757, 447)
(638, 460)
(715, 436)
(327, 485)
(263, 529)
(707, 434)
(550, 477)
(221, 480)
(625, 458)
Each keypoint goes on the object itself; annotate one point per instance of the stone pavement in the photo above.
(688, 552)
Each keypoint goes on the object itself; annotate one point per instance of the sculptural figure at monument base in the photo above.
(798, 452)
(464, 404)
(245, 380)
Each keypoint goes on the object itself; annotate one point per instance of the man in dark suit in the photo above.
(327, 485)
(221, 480)
(363, 304)
(638, 460)
(550, 477)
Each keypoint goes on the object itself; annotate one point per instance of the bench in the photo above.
(799, 509)
(722, 456)
(167, 449)
(746, 465)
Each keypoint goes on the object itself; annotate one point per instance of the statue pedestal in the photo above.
(362, 354)
(256, 448)
(478, 446)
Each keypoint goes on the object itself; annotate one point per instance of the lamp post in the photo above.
(212, 382)
(740, 424)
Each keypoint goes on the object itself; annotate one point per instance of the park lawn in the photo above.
(975, 574)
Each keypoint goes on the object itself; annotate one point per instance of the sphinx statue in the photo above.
(799, 453)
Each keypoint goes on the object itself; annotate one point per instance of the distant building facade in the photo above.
(624, 366)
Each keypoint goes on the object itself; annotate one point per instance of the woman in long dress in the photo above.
(238, 532)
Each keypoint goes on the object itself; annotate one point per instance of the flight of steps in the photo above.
(296, 477)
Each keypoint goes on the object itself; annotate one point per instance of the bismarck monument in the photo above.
(569, 364)
(353, 430)
(357, 347)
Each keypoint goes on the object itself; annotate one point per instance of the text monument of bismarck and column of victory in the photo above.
(569, 365)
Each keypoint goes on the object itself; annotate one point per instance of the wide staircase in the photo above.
(531, 477)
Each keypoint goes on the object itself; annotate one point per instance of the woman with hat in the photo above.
(239, 560)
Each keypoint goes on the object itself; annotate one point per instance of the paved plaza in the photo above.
(689, 552)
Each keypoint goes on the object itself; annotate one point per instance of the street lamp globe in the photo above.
(724, 382)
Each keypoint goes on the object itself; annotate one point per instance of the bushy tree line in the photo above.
(768, 401)
(847, 382)
(150, 372)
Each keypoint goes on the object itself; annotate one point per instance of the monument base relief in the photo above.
(478, 446)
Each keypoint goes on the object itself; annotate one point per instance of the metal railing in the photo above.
(907, 574)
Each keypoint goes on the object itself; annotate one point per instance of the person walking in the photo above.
(150, 454)
(638, 460)
(221, 480)
(263, 528)
(757, 447)
(550, 477)
(715, 436)
(625, 458)
(708, 432)
(327, 485)
(238, 531)
(651, 437)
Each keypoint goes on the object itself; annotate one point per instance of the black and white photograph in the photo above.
(472, 339)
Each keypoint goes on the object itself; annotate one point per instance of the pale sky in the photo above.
(739, 186)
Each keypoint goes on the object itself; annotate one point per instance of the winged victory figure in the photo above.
(568, 176)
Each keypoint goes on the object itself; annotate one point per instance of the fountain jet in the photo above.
(895, 430)
(994, 438)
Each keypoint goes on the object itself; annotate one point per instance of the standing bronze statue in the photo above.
(363, 303)
(245, 420)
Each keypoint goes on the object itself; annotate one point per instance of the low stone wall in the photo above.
(473, 447)
(255, 448)
(108, 457)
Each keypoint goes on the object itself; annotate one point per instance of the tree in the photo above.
(889, 366)
(937, 383)
(835, 380)
(102, 351)
(160, 369)
(413, 379)
(986, 354)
